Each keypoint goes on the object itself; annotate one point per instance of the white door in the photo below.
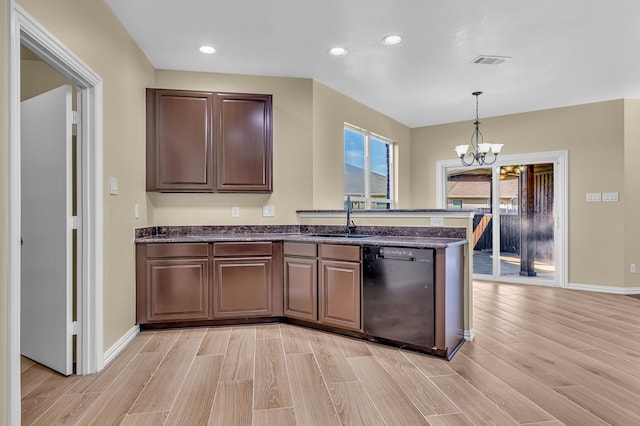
(47, 267)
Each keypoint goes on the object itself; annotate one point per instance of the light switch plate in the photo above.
(113, 186)
(609, 197)
(594, 197)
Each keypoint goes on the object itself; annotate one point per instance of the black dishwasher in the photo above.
(399, 295)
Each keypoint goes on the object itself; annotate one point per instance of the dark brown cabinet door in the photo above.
(243, 142)
(179, 141)
(172, 282)
(339, 294)
(176, 290)
(301, 288)
(242, 287)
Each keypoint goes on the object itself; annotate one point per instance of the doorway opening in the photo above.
(519, 228)
(28, 32)
(49, 194)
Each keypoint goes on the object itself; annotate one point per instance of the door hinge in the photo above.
(74, 328)
(75, 117)
(74, 222)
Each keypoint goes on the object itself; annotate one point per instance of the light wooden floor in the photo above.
(541, 356)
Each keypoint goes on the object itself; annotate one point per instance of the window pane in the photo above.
(354, 182)
(379, 177)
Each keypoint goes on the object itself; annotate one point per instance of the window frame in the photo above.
(368, 199)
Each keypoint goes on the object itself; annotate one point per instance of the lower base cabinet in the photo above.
(339, 294)
(185, 283)
(172, 283)
(242, 287)
(301, 281)
(322, 284)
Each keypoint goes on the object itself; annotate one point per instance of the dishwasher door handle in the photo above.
(401, 258)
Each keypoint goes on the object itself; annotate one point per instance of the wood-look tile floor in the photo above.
(542, 356)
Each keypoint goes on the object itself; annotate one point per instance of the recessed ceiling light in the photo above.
(207, 50)
(392, 39)
(338, 51)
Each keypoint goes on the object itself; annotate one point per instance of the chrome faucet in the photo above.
(351, 226)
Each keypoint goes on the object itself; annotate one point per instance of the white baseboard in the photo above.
(604, 289)
(114, 350)
(469, 335)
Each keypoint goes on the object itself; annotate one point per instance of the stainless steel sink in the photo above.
(339, 235)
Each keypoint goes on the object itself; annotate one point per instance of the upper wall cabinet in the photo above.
(179, 141)
(243, 142)
(208, 142)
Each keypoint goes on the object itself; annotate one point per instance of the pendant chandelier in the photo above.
(478, 152)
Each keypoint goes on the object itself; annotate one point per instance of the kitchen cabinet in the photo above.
(243, 280)
(243, 142)
(340, 286)
(179, 141)
(301, 281)
(172, 282)
(208, 141)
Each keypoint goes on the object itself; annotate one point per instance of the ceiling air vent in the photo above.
(490, 60)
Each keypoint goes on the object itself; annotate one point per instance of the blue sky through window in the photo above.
(378, 156)
(354, 148)
(354, 152)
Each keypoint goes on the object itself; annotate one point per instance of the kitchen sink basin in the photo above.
(339, 235)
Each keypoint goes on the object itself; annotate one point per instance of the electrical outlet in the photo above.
(632, 268)
(136, 210)
(268, 211)
(437, 221)
(235, 211)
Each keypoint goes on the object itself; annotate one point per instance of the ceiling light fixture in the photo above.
(338, 51)
(207, 50)
(479, 149)
(391, 40)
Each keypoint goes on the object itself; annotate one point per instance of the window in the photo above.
(368, 169)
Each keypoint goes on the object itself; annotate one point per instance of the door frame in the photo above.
(90, 356)
(560, 182)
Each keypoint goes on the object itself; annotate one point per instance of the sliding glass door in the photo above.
(520, 208)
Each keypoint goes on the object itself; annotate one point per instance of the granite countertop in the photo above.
(427, 237)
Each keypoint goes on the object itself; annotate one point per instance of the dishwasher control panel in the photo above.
(399, 253)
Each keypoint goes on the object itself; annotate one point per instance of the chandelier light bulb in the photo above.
(481, 153)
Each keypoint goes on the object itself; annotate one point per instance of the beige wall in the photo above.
(308, 146)
(594, 136)
(308, 150)
(4, 206)
(631, 199)
(37, 77)
(92, 33)
(292, 155)
(330, 111)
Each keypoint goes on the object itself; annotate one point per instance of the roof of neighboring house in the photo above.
(477, 189)
(354, 181)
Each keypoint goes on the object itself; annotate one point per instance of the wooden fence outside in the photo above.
(510, 235)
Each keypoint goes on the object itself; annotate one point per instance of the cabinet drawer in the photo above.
(340, 252)
(242, 249)
(178, 250)
(300, 249)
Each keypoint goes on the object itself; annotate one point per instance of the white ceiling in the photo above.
(563, 52)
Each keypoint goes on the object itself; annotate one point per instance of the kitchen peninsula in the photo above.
(309, 275)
